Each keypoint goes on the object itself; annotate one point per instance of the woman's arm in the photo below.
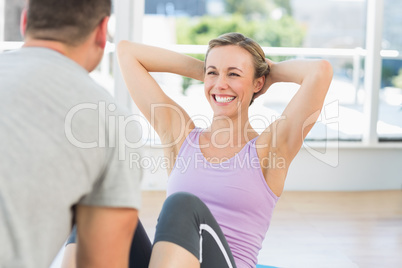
(299, 116)
(285, 136)
(136, 61)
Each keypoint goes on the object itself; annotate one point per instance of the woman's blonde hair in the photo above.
(261, 67)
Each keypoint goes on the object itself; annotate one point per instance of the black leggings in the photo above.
(186, 221)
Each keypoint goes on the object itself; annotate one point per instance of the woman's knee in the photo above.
(183, 201)
(182, 206)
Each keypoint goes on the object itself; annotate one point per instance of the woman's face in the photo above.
(229, 80)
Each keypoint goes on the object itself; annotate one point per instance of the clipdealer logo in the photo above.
(111, 131)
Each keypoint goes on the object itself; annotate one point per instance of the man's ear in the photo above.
(23, 22)
(259, 83)
(101, 34)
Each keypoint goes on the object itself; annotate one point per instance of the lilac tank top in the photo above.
(234, 190)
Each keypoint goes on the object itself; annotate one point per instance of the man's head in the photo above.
(74, 28)
(66, 21)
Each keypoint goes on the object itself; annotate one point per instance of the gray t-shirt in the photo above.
(63, 142)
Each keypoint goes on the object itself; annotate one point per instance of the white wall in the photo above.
(357, 169)
(2, 16)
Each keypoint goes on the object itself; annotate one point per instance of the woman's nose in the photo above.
(222, 82)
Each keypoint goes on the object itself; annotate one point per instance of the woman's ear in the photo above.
(259, 83)
(23, 22)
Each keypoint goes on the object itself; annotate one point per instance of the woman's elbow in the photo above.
(123, 47)
(325, 69)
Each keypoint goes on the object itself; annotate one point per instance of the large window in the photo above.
(389, 125)
(331, 29)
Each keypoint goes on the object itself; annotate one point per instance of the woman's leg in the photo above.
(70, 251)
(141, 248)
(69, 257)
(187, 235)
(169, 255)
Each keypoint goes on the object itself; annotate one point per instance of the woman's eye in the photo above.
(211, 73)
(233, 74)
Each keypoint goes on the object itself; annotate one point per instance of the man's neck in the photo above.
(76, 54)
(54, 45)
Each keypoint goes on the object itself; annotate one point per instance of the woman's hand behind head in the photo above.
(269, 81)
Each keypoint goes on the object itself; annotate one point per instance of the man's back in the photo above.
(55, 153)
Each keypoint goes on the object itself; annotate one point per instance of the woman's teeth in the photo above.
(224, 99)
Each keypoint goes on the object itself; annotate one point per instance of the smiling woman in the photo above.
(229, 81)
(230, 76)
(240, 47)
(201, 193)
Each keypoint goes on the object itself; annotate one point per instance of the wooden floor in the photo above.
(323, 229)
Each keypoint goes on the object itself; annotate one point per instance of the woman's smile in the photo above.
(221, 99)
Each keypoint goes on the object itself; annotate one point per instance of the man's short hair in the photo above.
(67, 21)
